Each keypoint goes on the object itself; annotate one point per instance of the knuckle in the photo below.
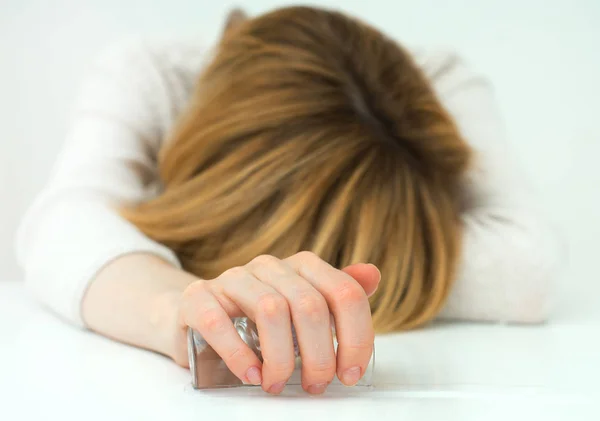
(235, 272)
(212, 321)
(272, 306)
(194, 289)
(324, 369)
(280, 369)
(191, 299)
(312, 305)
(265, 260)
(359, 345)
(188, 294)
(307, 256)
(349, 293)
(238, 354)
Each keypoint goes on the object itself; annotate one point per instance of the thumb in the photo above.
(367, 275)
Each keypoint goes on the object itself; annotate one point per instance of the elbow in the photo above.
(510, 272)
(531, 283)
(530, 300)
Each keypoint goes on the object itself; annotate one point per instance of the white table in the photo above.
(50, 371)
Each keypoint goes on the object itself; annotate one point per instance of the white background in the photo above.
(543, 57)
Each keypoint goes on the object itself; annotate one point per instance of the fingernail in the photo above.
(277, 388)
(371, 264)
(253, 376)
(351, 376)
(317, 389)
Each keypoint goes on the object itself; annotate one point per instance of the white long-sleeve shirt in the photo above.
(129, 102)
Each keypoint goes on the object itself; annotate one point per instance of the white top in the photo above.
(129, 102)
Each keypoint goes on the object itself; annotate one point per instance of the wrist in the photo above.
(163, 320)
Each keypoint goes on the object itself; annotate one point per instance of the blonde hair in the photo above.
(313, 131)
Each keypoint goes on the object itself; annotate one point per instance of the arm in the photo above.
(511, 256)
(72, 237)
(135, 299)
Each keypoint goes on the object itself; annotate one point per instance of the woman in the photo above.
(311, 166)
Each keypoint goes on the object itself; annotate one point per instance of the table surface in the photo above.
(51, 371)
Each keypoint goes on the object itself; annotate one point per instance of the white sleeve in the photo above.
(512, 256)
(73, 228)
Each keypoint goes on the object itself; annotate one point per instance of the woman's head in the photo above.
(313, 131)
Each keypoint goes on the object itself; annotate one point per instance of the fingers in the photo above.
(302, 290)
(271, 313)
(201, 311)
(367, 275)
(310, 315)
(349, 304)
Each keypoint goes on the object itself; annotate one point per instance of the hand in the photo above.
(303, 290)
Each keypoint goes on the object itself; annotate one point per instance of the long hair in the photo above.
(311, 130)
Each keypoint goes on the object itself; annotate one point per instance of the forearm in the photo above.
(134, 300)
